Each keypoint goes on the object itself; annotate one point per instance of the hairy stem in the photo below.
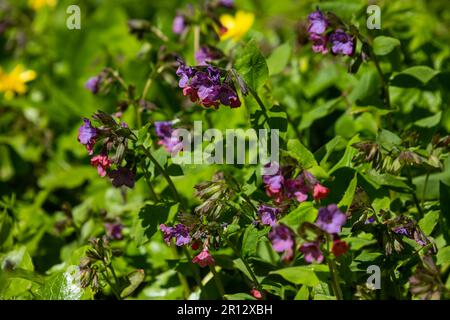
(218, 281)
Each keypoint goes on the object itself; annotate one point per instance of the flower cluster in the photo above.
(330, 220)
(204, 84)
(181, 234)
(340, 41)
(280, 187)
(283, 240)
(88, 135)
(168, 136)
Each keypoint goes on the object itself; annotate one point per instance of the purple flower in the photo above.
(311, 251)
(87, 135)
(179, 24)
(370, 220)
(229, 97)
(268, 214)
(296, 188)
(180, 232)
(282, 241)
(114, 230)
(122, 177)
(93, 84)
(318, 23)
(341, 43)
(403, 231)
(226, 3)
(205, 54)
(330, 219)
(168, 136)
(319, 42)
(206, 86)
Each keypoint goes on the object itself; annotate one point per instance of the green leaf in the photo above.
(279, 59)
(62, 286)
(347, 199)
(388, 139)
(414, 76)
(299, 152)
(252, 66)
(383, 45)
(429, 122)
(305, 275)
(305, 212)
(149, 218)
(135, 278)
(443, 256)
(302, 294)
(317, 113)
(429, 221)
(346, 160)
(252, 236)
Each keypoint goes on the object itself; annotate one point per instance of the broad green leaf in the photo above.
(414, 76)
(149, 218)
(388, 139)
(305, 212)
(135, 279)
(279, 59)
(299, 275)
(429, 221)
(443, 256)
(347, 199)
(302, 294)
(252, 236)
(299, 152)
(317, 113)
(346, 160)
(383, 45)
(429, 122)
(251, 65)
(62, 286)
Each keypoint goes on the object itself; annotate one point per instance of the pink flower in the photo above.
(102, 163)
(256, 294)
(320, 192)
(204, 259)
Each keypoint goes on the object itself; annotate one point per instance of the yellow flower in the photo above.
(14, 82)
(38, 4)
(236, 26)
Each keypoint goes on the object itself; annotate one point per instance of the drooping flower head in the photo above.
(273, 180)
(320, 191)
(282, 240)
(330, 219)
(297, 188)
(318, 23)
(87, 135)
(312, 252)
(341, 43)
(93, 84)
(114, 230)
(204, 258)
(319, 42)
(339, 247)
(206, 55)
(102, 163)
(122, 177)
(268, 214)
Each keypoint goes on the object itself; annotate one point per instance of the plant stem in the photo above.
(165, 175)
(334, 279)
(413, 192)
(425, 187)
(260, 103)
(218, 281)
(147, 179)
(196, 38)
(113, 288)
(193, 268)
(181, 277)
(247, 266)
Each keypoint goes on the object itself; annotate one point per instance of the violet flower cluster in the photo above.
(330, 220)
(281, 187)
(88, 136)
(205, 85)
(339, 41)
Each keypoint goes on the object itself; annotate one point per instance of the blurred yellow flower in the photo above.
(14, 82)
(38, 4)
(236, 26)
